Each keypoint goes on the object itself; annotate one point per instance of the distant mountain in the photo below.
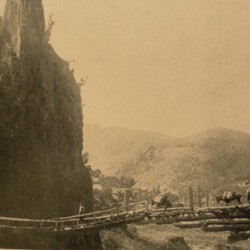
(217, 159)
(109, 147)
(220, 133)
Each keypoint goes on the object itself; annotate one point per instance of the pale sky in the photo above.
(177, 67)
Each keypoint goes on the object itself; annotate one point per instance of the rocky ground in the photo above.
(167, 237)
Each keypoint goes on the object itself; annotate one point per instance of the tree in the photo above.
(50, 26)
(96, 173)
(103, 199)
(127, 181)
(85, 158)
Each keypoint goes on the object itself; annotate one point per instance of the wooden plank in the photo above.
(23, 219)
(216, 225)
(85, 215)
(172, 209)
(195, 217)
(228, 221)
(222, 208)
(189, 224)
(221, 228)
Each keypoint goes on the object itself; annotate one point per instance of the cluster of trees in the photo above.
(49, 28)
(111, 181)
(104, 197)
(114, 181)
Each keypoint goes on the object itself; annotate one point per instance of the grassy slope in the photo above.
(109, 147)
(217, 159)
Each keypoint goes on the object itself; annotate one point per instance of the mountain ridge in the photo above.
(216, 158)
(221, 131)
(109, 146)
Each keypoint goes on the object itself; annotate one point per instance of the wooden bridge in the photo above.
(101, 219)
(235, 219)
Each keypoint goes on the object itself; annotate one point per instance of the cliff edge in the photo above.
(42, 170)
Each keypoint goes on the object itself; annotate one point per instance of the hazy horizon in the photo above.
(152, 131)
(174, 67)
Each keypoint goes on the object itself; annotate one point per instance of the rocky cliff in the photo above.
(42, 171)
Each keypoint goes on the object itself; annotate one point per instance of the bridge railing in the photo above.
(184, 217)
(25, 223)
(114, 214)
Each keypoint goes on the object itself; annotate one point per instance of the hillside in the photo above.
(217, 159)
(109, 147)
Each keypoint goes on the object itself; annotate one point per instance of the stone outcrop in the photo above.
(42, 170)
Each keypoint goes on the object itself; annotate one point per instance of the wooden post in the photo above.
(191, 197)
(126, 199)
(248, 196)
(199, 196)
(207, 199)
(117, 214)
(186, 200)
(139, 196)
(164, 213)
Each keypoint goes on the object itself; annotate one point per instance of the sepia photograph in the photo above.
(125, 124)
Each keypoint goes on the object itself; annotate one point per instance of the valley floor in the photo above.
(152, 237)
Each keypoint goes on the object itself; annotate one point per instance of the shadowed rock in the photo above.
(42, 171)
(176, 243)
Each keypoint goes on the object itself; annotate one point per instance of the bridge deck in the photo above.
(183, 217)
(116, 216)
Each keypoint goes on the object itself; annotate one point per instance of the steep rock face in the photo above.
(42, 172)
(41, 165)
